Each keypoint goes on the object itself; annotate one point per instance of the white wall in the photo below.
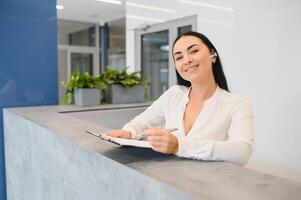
(259, 44)
(260, 54)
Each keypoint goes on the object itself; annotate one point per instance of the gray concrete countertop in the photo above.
(198, 179)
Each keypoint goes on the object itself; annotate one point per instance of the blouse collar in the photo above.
(209, 100)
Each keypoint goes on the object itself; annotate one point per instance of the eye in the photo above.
(178, 58)
(194, 51)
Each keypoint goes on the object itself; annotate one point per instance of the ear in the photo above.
(213, 57)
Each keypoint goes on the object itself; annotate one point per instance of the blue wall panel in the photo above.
(28, 59)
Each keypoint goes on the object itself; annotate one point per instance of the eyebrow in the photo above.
(179, 52)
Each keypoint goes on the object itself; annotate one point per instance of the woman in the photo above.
(212, 123)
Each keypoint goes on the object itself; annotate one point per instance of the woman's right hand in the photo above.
(119, 133)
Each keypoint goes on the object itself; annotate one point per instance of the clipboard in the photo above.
(122, 141)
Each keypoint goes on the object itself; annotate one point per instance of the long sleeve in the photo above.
(236, 149)
(153, 116)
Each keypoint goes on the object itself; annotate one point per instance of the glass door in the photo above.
(82, 62)
(153, 50)
(155, 61)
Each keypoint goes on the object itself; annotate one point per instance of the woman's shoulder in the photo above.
(235, 100)
(175, 92)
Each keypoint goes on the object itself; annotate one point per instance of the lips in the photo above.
(190, 68)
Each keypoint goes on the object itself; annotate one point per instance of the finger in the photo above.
(160, 149)
(159, 144)
(155, 144)
(156, 132)
(109, 133)
(161, 139)
(150, 131)
(113, 134)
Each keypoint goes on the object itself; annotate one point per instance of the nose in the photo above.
(187, 59)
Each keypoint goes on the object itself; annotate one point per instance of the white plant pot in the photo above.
(87, 96)
(118, 94)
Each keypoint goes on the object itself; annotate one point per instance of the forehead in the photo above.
(186, 41)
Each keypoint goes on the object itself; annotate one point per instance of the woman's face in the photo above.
(192, 59)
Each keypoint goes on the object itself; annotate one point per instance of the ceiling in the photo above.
(91, 11)
(94, 11)
(140, 13)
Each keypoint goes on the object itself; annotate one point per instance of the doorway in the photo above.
(153, 50)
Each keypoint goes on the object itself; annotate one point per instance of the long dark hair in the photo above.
(217, 68)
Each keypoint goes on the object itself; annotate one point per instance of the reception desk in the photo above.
(49, 155)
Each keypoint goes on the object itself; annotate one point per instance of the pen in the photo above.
(168, 129)
(171, 129)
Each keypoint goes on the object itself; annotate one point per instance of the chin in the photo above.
(191, 77)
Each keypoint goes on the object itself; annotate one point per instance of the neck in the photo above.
(202, 90)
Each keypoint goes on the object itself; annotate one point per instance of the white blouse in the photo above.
(223, 130)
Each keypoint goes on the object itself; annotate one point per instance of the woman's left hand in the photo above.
(161, 140)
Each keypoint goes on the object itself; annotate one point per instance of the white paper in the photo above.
(127, 142)
(122, 141)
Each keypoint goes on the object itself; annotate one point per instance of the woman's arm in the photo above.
(236, 149)
(153, 116)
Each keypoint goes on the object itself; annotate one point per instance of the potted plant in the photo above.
(123, 87)
(85, 89)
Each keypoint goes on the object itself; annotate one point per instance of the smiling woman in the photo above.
(203, 44)
(212, 123)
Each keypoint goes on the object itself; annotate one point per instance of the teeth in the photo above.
(190, 69)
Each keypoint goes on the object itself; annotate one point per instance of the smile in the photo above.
(191, 68)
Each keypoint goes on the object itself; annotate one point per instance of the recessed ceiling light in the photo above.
(149, 7)
(144, 18)
(208, 5)
(117, 2)
(59, 7)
